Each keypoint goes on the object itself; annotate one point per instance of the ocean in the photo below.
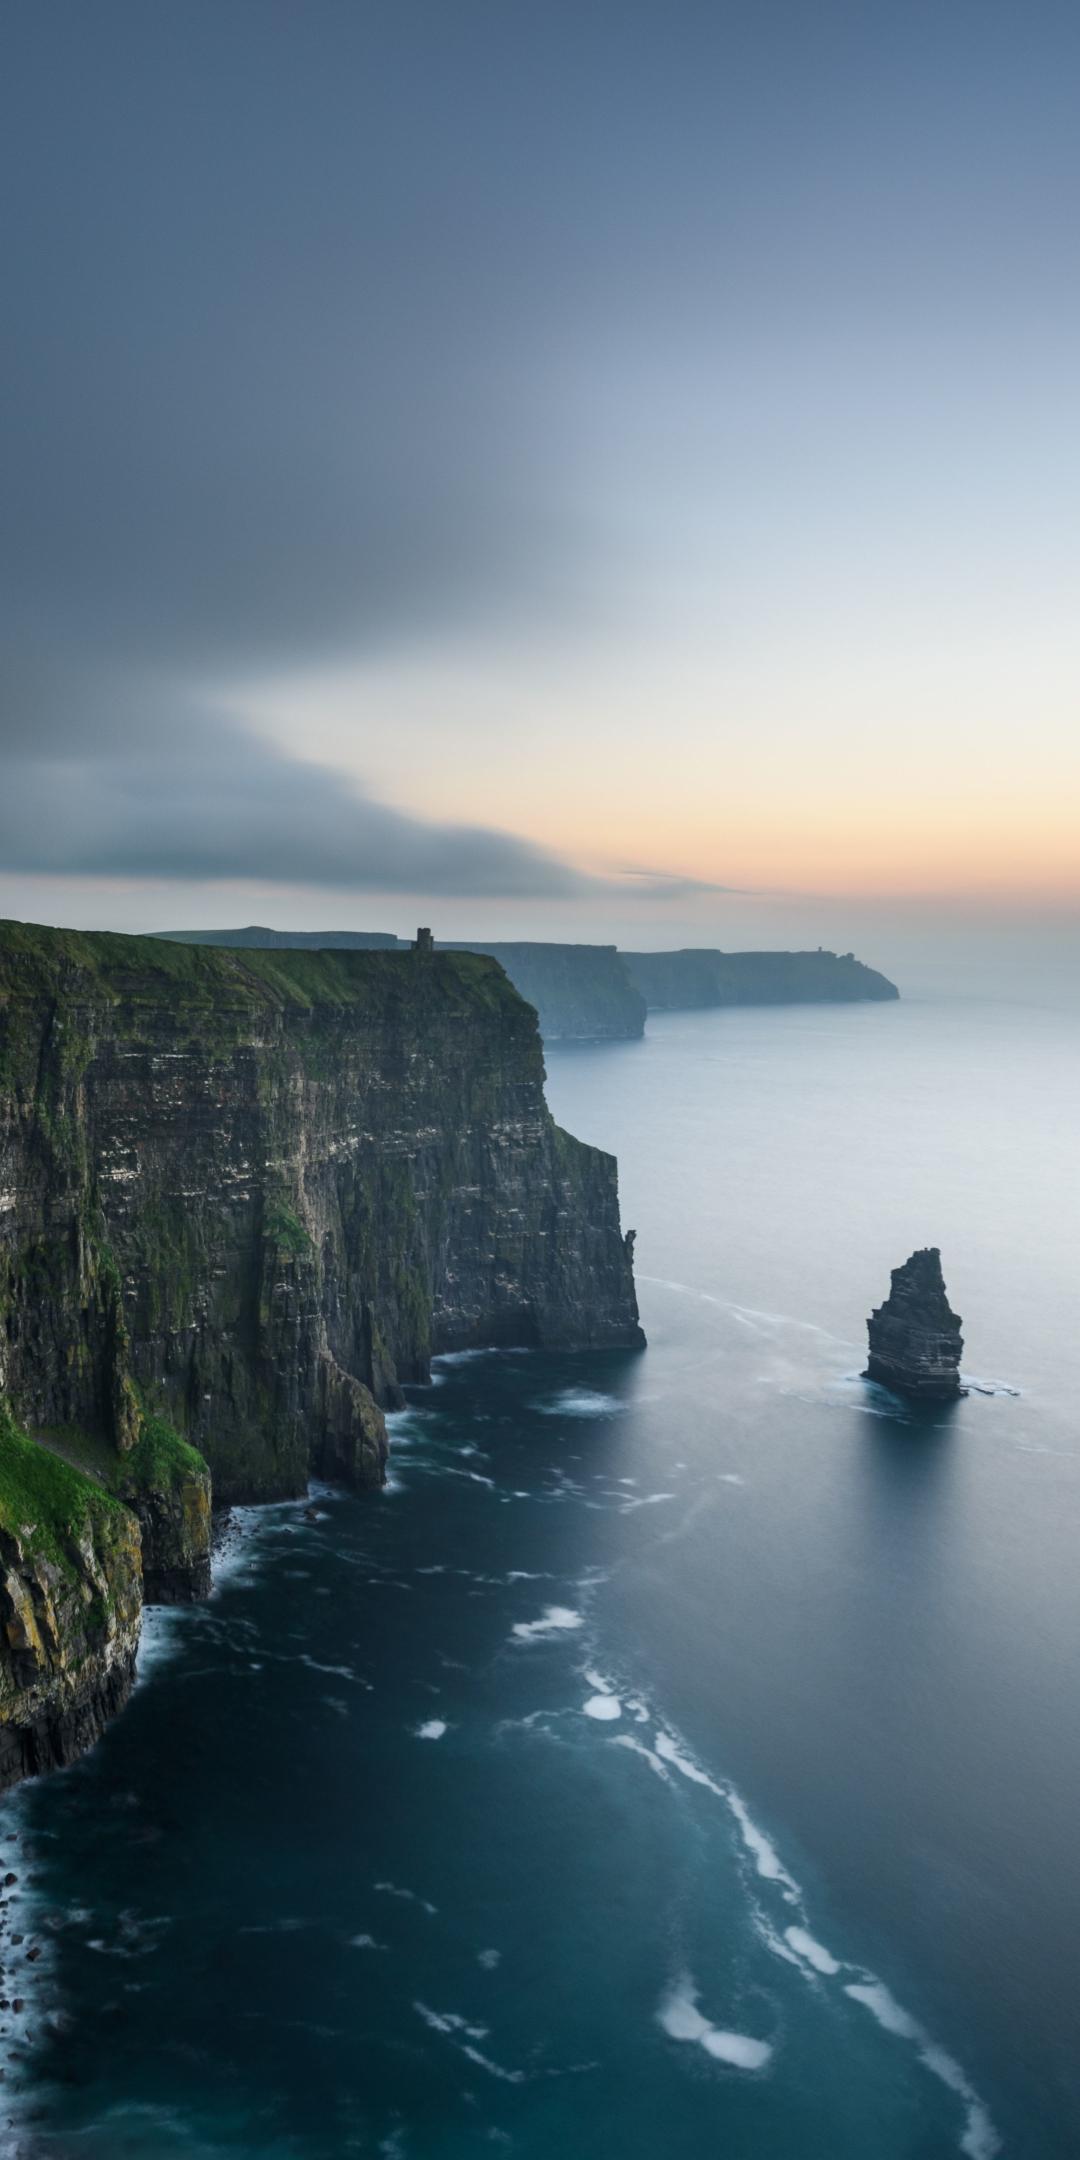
(682, 1757)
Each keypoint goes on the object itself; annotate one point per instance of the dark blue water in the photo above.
(683, 1757)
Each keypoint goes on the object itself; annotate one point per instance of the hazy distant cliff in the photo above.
(243, 1197)
(702, 977)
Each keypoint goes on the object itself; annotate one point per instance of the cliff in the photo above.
(697, 977)
(243, 1197)
(256, 1192)
(70, 1606)
(915, 1339)
(581, 993)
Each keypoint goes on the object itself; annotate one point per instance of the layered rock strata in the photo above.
(254, 1193)
(915, 1339)
(243, 1198)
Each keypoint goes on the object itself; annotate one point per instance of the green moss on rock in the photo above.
(70, 1605)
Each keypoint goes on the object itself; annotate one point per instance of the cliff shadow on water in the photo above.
(244, 1197)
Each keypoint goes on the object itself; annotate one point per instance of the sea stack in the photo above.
(915, 1339)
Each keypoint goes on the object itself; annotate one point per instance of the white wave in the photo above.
(555, 1620)
(815, 1953)
(27, 1961)
(597, 1681)
(797, 1946)
(494, 2069)
(432, 1729)
(682, 2020)
(488, 1959)
(162, 1626)
(988, 1387)
(637, 1747)
(365, 1942)
(730, 1477)
(766, 1933)
(449, 2021)
(765, 1856)
(463, 2034)
(980, 2140)
(337, 1672)
(578, 1403)
(763, 1853)
(643, 1500)
(389, 1889)
(602, 1707)
(875, 1997)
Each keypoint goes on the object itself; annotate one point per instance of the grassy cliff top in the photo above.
(103, 966)
(46, 1502)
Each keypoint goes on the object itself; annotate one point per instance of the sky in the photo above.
(580, 469)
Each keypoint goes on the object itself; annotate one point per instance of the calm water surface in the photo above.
(683, 1757)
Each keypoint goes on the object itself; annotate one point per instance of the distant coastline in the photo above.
(595, 993)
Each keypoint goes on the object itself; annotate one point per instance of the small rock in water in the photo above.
(915, 1339)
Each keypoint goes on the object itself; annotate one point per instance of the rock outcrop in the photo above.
(700, 977)
(915, 1339)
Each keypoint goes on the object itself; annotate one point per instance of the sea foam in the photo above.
(814, 1952)
(682, 2020)
(578, 1403)
(604, 1708)
(555, 1620)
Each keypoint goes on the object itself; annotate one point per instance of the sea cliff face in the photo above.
(582, 993)
(243, 1197)
(257, 1192)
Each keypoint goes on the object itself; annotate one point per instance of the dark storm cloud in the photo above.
(203, 799)
(263, 422)
(220, 805)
